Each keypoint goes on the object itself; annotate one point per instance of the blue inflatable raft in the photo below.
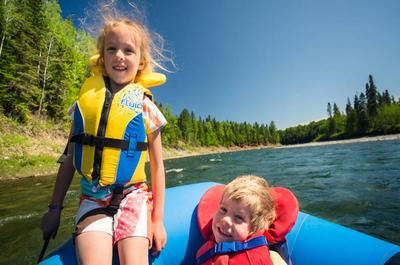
(311, 241)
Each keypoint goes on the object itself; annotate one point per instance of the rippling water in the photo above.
(357, 185)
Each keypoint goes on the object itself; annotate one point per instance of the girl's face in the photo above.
(232, 221)
(122, 55)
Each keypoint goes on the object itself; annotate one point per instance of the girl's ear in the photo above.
(141, 65)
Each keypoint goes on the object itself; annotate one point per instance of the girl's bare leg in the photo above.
(94, 248)
(133, 251)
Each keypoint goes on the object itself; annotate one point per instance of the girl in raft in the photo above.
(114, 123)
(245, 222)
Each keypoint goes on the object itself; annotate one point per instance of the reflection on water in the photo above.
(357, 185)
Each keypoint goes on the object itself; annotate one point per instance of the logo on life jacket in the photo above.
(131, 99)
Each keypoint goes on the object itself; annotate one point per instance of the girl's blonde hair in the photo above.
(255, 193)
(151, 55)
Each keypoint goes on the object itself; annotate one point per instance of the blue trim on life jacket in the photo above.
(78, 128)
(222, 248)
(128, 159)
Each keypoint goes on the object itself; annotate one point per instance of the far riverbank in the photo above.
(347, 141)
(174, 153)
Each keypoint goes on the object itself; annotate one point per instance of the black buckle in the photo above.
(91, 140)
(115, 200)
(86, 139)
(112, 209)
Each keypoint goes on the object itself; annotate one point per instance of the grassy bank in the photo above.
(32, 149)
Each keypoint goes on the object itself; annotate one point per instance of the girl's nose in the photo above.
(119, 54)
(226, 220)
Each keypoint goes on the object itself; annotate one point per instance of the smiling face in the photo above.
(122, 55)
(232, 221)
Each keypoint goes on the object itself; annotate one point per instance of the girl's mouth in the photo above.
(223, 233)
(119, 68)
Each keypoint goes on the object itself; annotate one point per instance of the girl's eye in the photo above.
(129, 51)
(222, 209)
(110, 49)
(239, 218)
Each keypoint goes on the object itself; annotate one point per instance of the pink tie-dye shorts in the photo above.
(131, 220)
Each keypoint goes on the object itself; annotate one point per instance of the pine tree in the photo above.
(351, 119)
(336, 111)
(202, 136)
(386, 100)
(349, 108)
(362, 114)
(194, 129)
(184, 123)
(372, 97)
(210, 136)
(329, 109)
(274, 137)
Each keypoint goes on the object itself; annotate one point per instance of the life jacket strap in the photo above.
(222, 248)
(87, 139)
(111, 209)
(64, 155)
(116, 199)
(101, 131)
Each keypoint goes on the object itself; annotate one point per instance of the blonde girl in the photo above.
(115, 212)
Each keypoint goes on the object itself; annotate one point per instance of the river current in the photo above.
(356, 185)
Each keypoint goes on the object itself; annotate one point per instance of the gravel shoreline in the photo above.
(347, 141)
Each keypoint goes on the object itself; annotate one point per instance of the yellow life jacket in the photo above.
(109, 130)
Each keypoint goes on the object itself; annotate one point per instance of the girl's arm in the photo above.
(63, 181)
(158, 188)
(51, 220)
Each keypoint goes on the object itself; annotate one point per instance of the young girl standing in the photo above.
(114, 124)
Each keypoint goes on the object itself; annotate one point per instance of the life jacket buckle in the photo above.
(225, 247)
(85, 139)
(115, 200)
(132, 145)
(112, 209)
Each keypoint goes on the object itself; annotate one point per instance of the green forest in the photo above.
(43, 61)
(369, 113)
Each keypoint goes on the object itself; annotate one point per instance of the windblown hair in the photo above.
(255, 193)
(153, 54)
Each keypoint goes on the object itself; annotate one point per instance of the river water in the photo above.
(356, 185)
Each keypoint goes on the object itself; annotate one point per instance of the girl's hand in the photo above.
(159, 237)
(50, 224)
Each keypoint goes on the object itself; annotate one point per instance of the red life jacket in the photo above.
(286, 207)
(255, 255)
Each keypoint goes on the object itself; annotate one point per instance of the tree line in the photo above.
(187, 129)
(42, 59)
(370, 113)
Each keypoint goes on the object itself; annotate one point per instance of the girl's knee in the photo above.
(134, 250)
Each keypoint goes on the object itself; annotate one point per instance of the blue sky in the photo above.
(259, 60)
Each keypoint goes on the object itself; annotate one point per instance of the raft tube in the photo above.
(311, 241)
